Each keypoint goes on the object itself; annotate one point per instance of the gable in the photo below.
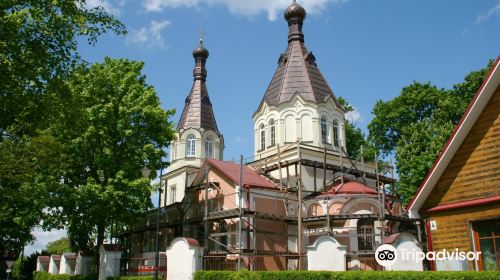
(469, 120)
(474, 171)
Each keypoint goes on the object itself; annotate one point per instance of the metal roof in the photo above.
(198, 111)
(297, 71)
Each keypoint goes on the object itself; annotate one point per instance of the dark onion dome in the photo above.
(200, 51)
(295, 10)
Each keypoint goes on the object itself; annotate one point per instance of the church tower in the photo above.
(197, 135)
(298, 105)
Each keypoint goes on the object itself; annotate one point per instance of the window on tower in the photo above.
(190, 146)
(209, 147)
(272, 132)
(324, 130)
(262, 137)
(173, 194)
(336, 133)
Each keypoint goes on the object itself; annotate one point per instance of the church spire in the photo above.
(200, 55)
(295, 15)
(198, 111)
(297, 72)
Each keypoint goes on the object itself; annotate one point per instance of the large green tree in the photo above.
(414, 126)
(113, 128)
(38, 50)
(38, 43)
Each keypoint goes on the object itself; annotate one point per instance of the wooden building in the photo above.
(459, 199)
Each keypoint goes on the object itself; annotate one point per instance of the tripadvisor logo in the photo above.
(387, 255)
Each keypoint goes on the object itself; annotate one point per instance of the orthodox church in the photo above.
(300, 189)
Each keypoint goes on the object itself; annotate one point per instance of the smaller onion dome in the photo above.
(200, 51)
(295, 10)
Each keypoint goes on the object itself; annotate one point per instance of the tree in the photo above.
(38, 43)
(116, 127)
(415, 126)
(59, 246)
(38, 50)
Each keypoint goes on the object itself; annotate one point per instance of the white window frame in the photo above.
(190, 145)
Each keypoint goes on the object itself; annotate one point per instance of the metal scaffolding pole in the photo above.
(240, 213)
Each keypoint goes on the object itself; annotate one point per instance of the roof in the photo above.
(198, 111)
(476, 107)
(111, 247)
(43, 258)
(297, 74)
(56, 257)
(349, 187)
(463, 204)
(231, 170)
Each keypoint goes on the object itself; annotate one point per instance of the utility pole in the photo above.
(240, 213)
(299, 215)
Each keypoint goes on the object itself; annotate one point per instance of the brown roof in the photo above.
(297, 73)
(198, 111)
(111, 247)
(231, 170)
(348, 187)
(43, 258)
(56, 257)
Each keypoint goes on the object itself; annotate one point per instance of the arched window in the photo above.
(209, 147)
(365, 234)
(289, 129)
(272, 132)
(305, 128)
(324, 130)
(190, 146)
(262, 137)
(336, 133)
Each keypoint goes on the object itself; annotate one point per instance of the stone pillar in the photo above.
(326, 254)
(183, 258)
(68, 262)
(54, 263)
(83, 264)
(42, 263)
(109, 261)
(407, 248)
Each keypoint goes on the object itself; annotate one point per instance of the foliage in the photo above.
(38, 275)
(38, 49)
(347, 275)
(23, 270)
(147, 277)
(415, 125)
(38, 43)
(59, 246)
(29, 168)
(113, 127)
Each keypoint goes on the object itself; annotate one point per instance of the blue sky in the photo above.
(366, 50)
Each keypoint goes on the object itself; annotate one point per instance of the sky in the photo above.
(366, 50)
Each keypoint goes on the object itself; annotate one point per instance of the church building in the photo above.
(301, 189)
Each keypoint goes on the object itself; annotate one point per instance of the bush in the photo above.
(148, 277)
(344, 275)
(38, 275)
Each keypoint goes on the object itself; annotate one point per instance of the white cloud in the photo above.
(242, 7)
(113, 7)
(495, 10)
(42, 239)
(150, 36)
(353, 116)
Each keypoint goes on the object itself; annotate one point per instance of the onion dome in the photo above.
(200, 52)
(295, 11)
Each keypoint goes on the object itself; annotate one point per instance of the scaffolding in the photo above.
(235, 236)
